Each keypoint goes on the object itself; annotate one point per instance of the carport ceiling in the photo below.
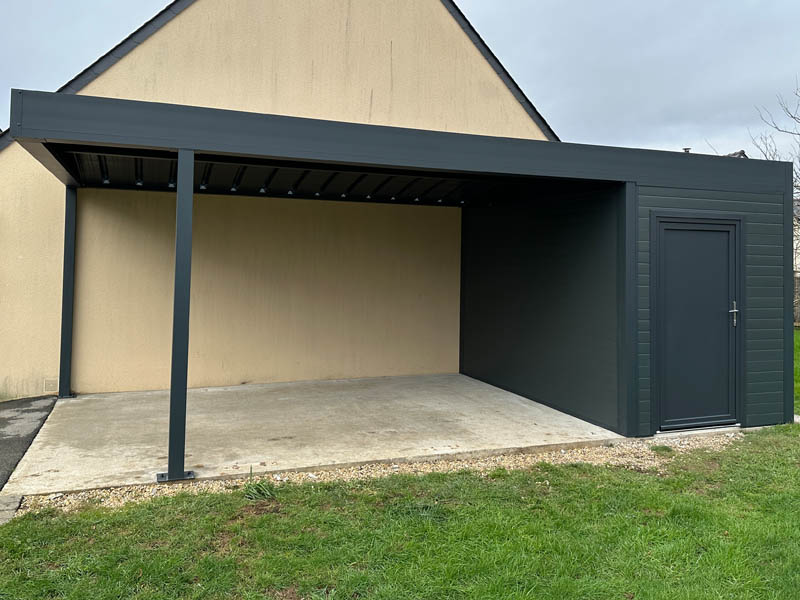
(114, 168)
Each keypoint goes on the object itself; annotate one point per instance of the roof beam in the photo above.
(51, 163)
(39, 117)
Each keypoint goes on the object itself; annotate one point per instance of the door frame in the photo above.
(699, 217)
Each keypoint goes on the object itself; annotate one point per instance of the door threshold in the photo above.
(699, 430)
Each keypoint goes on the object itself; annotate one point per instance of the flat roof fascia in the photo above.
(38, 117)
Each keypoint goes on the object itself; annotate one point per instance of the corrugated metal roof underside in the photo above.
(157, 171)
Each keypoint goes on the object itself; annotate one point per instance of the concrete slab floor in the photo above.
(105, 440)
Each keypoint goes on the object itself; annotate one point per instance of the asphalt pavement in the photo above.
(20, 421)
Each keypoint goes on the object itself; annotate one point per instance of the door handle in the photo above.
(734, 311)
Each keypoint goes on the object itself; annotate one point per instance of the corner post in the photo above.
(627, 359)
(180, 320)
(788, 295)
(67, 294)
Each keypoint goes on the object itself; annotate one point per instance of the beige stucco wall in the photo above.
(380, 299)
(31, 251)
(282, 289)
(390, 62)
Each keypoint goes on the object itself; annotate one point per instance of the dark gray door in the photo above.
(696, 275)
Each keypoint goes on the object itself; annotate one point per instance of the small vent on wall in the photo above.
(51, 385)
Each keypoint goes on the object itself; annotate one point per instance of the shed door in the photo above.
(695, 330)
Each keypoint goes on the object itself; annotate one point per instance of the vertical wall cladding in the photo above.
(764, 294)
(539, 302)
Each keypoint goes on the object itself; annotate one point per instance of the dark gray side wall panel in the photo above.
(539, 311)
(763, 304)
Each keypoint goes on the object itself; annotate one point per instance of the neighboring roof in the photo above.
(173, 9)
(738, 154)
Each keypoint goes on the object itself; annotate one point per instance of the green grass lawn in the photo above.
(717, 525)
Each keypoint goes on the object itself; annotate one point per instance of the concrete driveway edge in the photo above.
(8, 507)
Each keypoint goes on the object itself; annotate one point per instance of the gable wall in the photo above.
(405, 63)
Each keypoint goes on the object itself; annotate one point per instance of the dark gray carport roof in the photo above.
(173, 9)
(40, 120)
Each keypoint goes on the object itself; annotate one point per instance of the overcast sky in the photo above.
(654, 74)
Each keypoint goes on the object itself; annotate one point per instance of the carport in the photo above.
(562, 296)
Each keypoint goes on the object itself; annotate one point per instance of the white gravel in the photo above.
(628, 453)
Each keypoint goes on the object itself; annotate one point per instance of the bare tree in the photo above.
(786, 125)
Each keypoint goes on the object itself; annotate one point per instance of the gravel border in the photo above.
(635, 454)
